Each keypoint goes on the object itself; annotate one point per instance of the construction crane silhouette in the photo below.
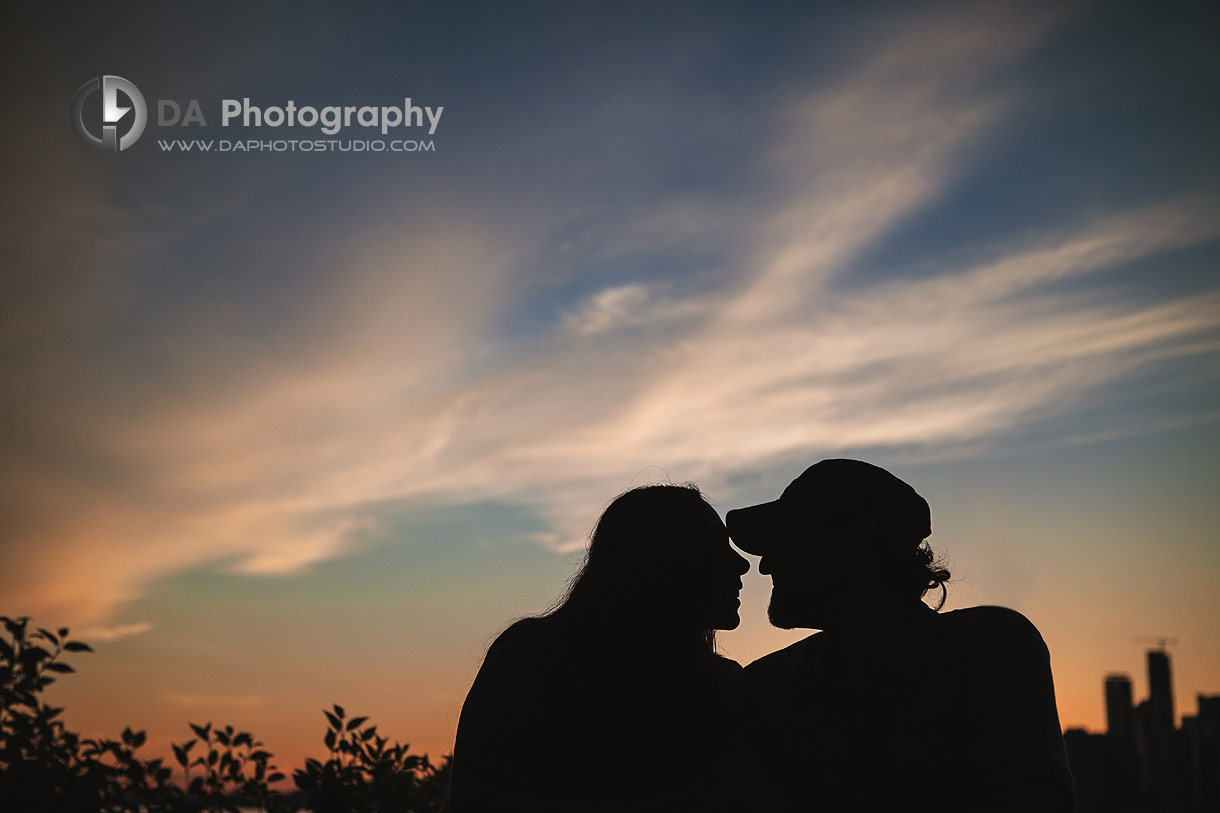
(1161, 641)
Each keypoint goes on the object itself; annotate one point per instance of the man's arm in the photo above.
(1021, 762)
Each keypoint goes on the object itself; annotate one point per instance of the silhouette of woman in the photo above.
(615, 699)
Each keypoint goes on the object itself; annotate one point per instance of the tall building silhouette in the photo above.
(1160, 684)
(1160, 736)
(1202, 735)
(1120, 711)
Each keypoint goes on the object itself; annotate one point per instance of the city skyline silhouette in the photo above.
(1144, 762)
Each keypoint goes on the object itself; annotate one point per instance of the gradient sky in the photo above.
(287, 430)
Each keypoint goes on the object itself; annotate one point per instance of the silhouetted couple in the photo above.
(617, 700)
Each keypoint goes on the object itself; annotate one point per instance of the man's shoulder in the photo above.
(991, 619)
(996, 628)
(780, 662)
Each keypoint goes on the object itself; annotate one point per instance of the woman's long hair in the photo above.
(644, 566)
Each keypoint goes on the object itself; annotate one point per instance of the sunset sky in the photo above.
(282, 430)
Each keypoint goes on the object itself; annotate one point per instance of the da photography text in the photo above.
(124, 118)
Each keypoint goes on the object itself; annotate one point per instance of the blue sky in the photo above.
(974, 243)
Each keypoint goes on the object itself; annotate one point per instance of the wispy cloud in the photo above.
(219, 701)
(403, 376)
(631, 306)
(114, 633)
(611, 308)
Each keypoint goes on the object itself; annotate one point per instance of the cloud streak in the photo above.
(411, 380)
(116, 632)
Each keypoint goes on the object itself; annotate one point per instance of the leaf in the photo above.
(59, 667)
(179, 754)
(330, 739)
(355, 723)
(334, 721)
(275, 777)
(201, 731)
(50, 636)
(339, 711)
(63, 632)
(77, 646)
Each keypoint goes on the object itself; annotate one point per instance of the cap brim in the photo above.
(758, 528)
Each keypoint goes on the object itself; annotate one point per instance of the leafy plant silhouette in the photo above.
(233, 767)
(365, 772)
(46, 767)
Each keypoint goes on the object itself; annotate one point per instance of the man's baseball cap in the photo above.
(826, 491)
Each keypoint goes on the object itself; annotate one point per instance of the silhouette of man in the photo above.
(893, 706)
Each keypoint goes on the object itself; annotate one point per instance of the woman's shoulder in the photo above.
(523, 632)
(723, 672)
(526, 636)
(519, 658)
(725, 666)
